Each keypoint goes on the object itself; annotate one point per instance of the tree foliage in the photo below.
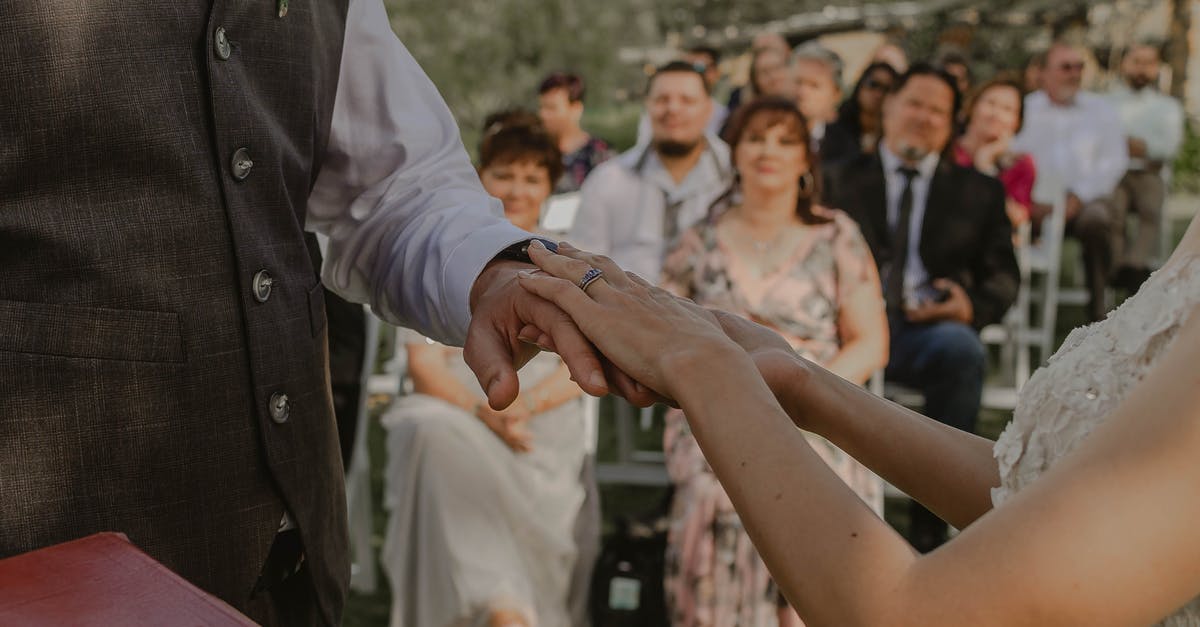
(486, 55)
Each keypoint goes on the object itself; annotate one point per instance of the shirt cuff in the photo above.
(465, 264)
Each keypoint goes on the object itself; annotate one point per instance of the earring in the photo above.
(808, 185)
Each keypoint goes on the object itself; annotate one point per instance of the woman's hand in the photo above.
(643, 330)
(988, 155)
(508, 424)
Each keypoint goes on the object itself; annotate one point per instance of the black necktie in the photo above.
(893, 293)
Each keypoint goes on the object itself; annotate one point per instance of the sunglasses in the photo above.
(875, 85)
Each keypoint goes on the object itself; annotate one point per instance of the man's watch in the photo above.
(520, 250)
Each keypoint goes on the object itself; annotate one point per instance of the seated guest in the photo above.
(768, 76)
(633, 206)
(1153, 124)
(560, 107)
(955, 63)
(818, 90)
(483, 502)
(1077, 139)
(860, 116)
(706, 61)
(944, 247)
(993, 116)
(771, 253)
(710, 59)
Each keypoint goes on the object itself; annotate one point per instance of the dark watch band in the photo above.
(520, 250)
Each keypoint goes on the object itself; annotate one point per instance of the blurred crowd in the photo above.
(874, 221)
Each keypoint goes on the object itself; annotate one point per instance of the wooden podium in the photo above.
(103, 580)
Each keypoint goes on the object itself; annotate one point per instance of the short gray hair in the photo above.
(814, 51)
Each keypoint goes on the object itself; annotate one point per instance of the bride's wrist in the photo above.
(685, 368)
(788, 375)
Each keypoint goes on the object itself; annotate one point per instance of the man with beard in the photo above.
(1153, 124)
(943, 243)
(633, 206)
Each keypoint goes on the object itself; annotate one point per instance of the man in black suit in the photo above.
(943, 244)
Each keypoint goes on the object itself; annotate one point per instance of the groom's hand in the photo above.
(502, 313)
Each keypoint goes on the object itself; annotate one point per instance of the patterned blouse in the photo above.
(581, 163)
(801, 300)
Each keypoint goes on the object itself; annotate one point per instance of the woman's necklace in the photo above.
(766, 254)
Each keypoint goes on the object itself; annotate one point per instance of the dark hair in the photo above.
(708, 51)
(779, 110)
(1004, 79)
(516, 135)
(678, 67)
(566, 81)
(850, 111)
(925, 69)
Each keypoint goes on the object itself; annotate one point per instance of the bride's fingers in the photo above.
(612, 272)
(563, 293)
(568, 268)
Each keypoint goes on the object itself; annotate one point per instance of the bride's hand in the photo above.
(775, 359)
(643, 330)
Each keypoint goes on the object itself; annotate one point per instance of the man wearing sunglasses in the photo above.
(1076, 139)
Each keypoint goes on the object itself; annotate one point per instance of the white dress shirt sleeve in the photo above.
(1108, 162)
(1164, 133)
(409, 224)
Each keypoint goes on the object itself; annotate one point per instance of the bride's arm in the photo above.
(949, 471)
(1107, 537)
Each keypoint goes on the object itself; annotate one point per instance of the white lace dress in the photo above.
(1088, 377)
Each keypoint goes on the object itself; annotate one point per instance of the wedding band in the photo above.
(590, 277)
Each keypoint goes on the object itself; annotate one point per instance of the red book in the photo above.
(103, 580)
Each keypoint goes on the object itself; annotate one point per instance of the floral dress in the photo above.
(714, 576)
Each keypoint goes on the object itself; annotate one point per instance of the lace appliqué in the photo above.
(1088, 377)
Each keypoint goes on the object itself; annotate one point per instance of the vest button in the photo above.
(240, 164)
(280, 408)
(221, 44)
(262, 285)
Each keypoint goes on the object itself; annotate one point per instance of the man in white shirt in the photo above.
(1153, 124)
(707, 62)
(1075, 138)
(633, 206)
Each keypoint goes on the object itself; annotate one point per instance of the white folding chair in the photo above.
(632, 466)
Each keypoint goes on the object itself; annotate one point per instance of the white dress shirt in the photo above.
(1152, 117)
(915, 273)
(409, 224)
(1081, 144)
(623, 202)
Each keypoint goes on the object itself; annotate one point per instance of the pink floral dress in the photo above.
(714, 576)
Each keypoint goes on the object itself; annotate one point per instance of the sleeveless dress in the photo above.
(1087, 379)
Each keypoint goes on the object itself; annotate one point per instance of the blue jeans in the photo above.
(945, 361)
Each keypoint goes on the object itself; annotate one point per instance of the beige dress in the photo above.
(474, 524)
(1089, 376)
